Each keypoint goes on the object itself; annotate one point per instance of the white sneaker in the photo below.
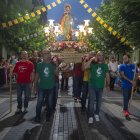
(25, 110)
(90, 120)
(97, 118)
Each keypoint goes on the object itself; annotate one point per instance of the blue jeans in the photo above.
(126, 98)
(84, 94)
(27, 90)
(77, 86)
(95, 94)
(49, 95)
(56, 88)
(64, 83)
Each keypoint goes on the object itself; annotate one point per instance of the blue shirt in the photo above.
(129, 73)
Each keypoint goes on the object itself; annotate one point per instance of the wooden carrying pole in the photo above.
(132, 91)
(10, 93)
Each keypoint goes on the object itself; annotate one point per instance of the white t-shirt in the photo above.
(113, 66)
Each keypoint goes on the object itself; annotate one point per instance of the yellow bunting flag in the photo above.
(21, 19)
(131, 46)
(38, 12)
(122, 39)
(89, 10)
(58, 1)
(53, 4)
(27, 17)
(49, 7)
(114, 33)
(33, 14)
(85, 5)
(101, 21)
(126, 43)
(94, 14)
(15, 21)
(82, 1)
(10, 23)
(110, 29)
(105, 25)
(98, 18)
(4, 25)
(44, 9)
(118, 36)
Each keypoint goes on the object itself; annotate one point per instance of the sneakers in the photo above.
(25, 110)
(75, 99)
(18, 111)
(126, 113)
(97, 118)
(90, 120)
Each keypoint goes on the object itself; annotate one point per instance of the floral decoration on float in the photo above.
(60, 46)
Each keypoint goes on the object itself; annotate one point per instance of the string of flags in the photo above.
(34, 35)
(31, 15)
(105, 25)
(54, 4)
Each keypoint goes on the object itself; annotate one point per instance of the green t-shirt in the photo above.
(98, 75)
(46, 72)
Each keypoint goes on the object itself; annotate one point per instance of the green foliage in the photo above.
(124, 17)
(9, 37)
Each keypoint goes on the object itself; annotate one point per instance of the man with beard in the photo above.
(127, 71)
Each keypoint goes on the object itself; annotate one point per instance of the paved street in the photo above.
(68, 122)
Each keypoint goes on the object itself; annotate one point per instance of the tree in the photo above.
(124, 17)
(9, 37)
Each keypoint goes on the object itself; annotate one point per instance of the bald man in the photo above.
(24, 70)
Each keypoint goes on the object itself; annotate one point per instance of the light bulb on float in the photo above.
(51, 22)
(86, 22)
(76, 33)
(46, 30)
(81, 28)
(90, 30)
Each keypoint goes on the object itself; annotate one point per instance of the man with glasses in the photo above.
(98, 76)
(44, 84)
(24, 71)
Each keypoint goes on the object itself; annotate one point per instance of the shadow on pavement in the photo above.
(96, 130)
(63, 109)
(121, 128)
(30, 134)
(12, 121)
(74, 135)
(137, 118)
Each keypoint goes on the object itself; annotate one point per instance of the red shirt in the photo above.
(23, 71)
(77, 71)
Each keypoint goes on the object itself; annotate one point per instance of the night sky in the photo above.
(78, 12)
